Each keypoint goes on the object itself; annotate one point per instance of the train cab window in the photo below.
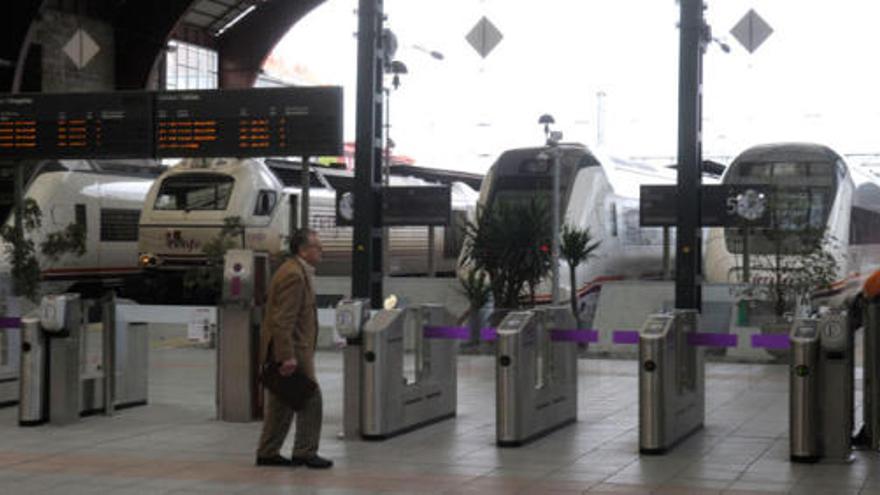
(266, 200)
(195, 192)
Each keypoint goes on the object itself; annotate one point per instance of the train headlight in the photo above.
(146, 260)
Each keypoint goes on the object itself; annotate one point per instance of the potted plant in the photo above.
(575, 248)
(509, 243)
(477, 290)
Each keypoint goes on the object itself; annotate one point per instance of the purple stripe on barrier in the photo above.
(712, 339)
(771, 341)
(579, 335)
(625, 337)
(454, 333)
(6, 322)
(488, 333)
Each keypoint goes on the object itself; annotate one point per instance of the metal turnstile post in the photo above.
(351, 314)
(245, 280)
(536, 375)
(821, 395)
(803, 399)
(671, 381)
(836, 387)
(391, 404)
(33, 395)
(871, 380)
(62, 319)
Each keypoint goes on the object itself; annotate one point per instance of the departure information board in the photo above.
(209, 123)
(263, 122)
(76, 125)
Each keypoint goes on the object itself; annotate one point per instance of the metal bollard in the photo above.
(32, 406)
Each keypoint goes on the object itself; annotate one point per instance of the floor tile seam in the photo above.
(765, 451)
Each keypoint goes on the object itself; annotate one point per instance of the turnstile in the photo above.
(65, 361)
(871, 379)
(10, 343)
(821, 389)
(390, 402)
(536, 375)
(671, 381)
(351, 315)
(245, 284)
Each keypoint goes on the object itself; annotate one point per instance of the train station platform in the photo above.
(174, 444)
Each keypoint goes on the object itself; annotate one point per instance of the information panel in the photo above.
(257, 122)
(416, 205)
(722, 205)
(76, 125)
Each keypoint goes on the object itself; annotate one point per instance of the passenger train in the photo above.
(814, 187)
(187, 206)
(597, 192)
(104, 195)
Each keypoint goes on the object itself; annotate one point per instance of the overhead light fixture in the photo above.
(235, 21)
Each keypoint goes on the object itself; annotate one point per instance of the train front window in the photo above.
(189, 192)
(795, 213)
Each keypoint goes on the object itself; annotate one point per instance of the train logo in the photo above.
(175, 240)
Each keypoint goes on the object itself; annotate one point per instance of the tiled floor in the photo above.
(175, 446)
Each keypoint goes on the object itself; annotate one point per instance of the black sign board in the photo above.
(722, 205)
(258, 122)
(403, 206)
(417, 205)
(76, 125)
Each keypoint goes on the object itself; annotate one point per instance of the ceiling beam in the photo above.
(16, 29)
(143, 28)
(244, 47)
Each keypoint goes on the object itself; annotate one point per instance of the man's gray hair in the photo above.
(300, 239)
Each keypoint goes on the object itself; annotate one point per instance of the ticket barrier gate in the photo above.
(871, 380)
(671, 381)
(10, 343)
(536, 375)
(245, 285)
(64, 362)
(821, 389)
(389, 403)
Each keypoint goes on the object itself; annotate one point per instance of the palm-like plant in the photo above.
(509, 243)
(576, 247)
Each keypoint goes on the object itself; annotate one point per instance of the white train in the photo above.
(107, 197)
(597, 192)
(818, 189)
(186, 208)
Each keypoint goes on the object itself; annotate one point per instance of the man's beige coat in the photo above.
(290, 321)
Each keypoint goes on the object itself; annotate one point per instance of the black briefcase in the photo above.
(294, 390)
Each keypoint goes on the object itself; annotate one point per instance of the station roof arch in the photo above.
(243, 32)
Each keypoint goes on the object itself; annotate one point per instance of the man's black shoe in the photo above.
(314, 462)
(275, 460)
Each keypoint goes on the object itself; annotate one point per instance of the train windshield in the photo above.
(803, 193)
(195, 192)
(522, 177)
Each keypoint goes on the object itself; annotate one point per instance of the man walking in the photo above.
(288, 336)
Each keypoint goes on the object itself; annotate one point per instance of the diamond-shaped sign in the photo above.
(751, 31)
(484, 37)
(81, 48)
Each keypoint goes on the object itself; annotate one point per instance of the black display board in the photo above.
(77, 125)
(402, 206)
(209, 123)
(721, 205)
(257, 122)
